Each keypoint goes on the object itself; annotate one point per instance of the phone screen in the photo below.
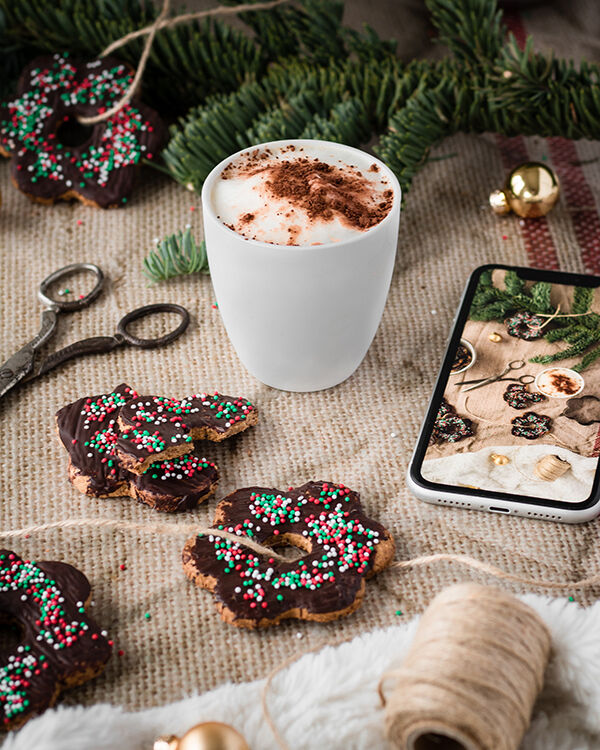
(517, 407)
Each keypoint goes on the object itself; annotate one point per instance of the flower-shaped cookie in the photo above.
(449, 427)
(37, 126)
(90, 431)
(342, 547)
(531, 425)
(518, 396)
(524, 325)
(60, 645)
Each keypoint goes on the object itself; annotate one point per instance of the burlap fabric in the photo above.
(344, 434)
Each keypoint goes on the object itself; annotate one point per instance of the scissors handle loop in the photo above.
(76, 304)
(143, 312)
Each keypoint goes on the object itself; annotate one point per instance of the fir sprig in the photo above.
(581, 333)
(176, 255)
(303, 74)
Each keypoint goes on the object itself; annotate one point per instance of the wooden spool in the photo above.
(551, 467)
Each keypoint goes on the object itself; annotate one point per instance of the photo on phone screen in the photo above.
(518, 410)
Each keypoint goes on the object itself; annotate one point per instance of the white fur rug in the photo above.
(329, 699)
(516, 477)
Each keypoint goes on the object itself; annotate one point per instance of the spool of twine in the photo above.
(471, 676)
(551, 467)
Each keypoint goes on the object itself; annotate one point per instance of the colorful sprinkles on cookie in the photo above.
(54, 90)
(342, 547)
(449, 427)
(60, 645)
(518, 396)
(524, 325)
(155, 427)
(91, 430)
(531, 425)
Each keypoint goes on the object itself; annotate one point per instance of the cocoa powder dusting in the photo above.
(564, 384)
(325, 191)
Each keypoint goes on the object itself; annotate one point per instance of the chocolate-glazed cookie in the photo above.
(38, 129)
(60, 646)
(88, 428)
(156, 428)
(343, 548)
(173, 485)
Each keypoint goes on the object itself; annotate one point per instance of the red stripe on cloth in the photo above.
(514, 23)
(580, 201)
(539, 245)
(538, 241)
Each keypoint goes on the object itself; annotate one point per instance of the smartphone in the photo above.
(513, 426)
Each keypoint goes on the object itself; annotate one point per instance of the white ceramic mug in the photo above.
(301, 318)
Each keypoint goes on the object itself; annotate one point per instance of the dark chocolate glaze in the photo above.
(70, 665)
(319, 506)
(177, 484)
(84, 183)
(152, 425)
(178, 490)
(103, 478)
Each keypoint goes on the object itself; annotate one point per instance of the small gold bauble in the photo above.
(530, 190)
(166, 743)
(495, 338)
(499, 202)
(499, 459)
(212, 735)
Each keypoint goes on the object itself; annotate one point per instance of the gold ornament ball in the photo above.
(499, 459)
(166, 743)
(495, 338)
(212, 735)
(531, 190)
(499, 202)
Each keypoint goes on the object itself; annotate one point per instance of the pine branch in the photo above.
(513, 283)
(540, 297)
(189, 62)
(175, 255)
(491, 303)
(583, 296)
(303, 73)
(588, 360)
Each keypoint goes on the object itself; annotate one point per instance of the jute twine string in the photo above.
(163, 22)
(472, 673)
(496, 621)
(168, 529)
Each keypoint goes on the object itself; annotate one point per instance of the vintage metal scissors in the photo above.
(516, 364)
(22, 366)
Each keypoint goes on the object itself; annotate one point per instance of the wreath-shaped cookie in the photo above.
(60, 645)
(531, 425)
(343, 548)
(524, 325)
(53, 91)
(518, 396)
(89, 429)
(449, 427)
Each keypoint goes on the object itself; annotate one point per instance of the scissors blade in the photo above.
(487, 381)
(20, 365)
(16, 368)
(470, 382)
